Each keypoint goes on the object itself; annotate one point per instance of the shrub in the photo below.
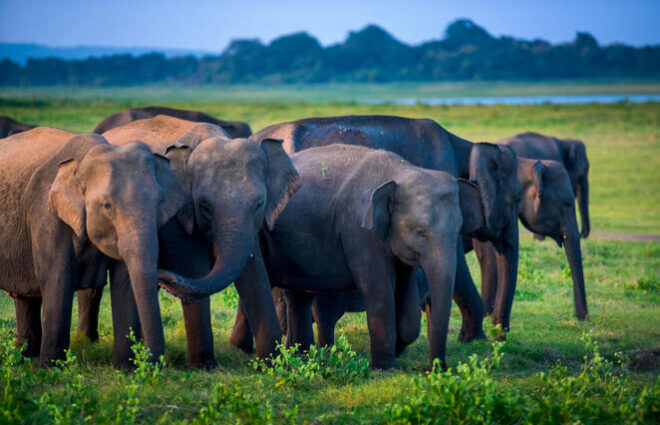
(338, 363)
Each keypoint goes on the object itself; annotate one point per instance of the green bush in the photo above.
(233, 405)
(600, 393)
(338, 363)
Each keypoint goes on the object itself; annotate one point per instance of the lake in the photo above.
(521, 100)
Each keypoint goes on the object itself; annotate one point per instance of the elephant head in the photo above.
(577, 165)
(420, 217)
(236, 186)
(548, 208)
(116, 198)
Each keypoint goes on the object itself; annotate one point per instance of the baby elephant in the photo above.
(547, 208)
(365, 219)
(571, 153)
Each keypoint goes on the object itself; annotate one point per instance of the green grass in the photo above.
(622, 280)
(341, 92)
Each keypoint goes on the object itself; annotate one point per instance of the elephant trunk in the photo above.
(574, 256)
(440, 270)
(583, 203)
(507, 275)
(141, 259)
(231, 250)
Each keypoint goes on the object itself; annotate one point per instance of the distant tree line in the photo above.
(467, 52)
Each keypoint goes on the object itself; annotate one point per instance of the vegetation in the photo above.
(552, 368)
(467, 52)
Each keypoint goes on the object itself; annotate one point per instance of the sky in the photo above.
(211, 25)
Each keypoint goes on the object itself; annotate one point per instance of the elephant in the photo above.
(234, 129)
(426, 144)
(237, 186)
(9, 127)
(365, 219)
(547, 208)
(74, 207)
(571, 153)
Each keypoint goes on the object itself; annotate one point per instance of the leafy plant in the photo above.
(338, 363)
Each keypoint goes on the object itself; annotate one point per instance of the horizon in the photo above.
(151, 28)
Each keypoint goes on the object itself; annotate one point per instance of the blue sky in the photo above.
(210, 25)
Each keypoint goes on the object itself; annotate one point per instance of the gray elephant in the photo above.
(237, 186)
(233, 128)
(571, 153)
(10, 127)
(366, 219)
(547, 208)
(426, 144)
(72, 207)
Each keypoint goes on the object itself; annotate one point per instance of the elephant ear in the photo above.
(65, 199)
(174, 197)
(538, 170)
(471, 206)
(379, 210)
(282, 179)
(177, 153)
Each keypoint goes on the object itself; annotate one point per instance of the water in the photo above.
(522, 100)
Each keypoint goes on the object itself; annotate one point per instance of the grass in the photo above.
(622, 280)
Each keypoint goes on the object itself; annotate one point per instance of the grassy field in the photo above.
(622, 280)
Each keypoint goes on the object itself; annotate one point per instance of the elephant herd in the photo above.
(309, 219)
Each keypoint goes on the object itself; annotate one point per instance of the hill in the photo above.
(466, 52)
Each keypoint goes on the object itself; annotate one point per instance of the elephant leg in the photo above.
(299, 319)
(507, 274)
(89, 304)
(468, 300)
(253, 286)
(376, 278)
(241, 335)
(408, 313)
(124, 315)
(199, 334)
(327, 309)
(488, 265)
(280, 307)
(57, 296)
(28, 324)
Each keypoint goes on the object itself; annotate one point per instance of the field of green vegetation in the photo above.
(551, 369)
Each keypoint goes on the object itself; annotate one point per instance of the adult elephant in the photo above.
(237, 186)
(233, 128)
(426, 144)
(547, 208)
(10, 127)
(365, 219)
(72, 207)
(571, 153)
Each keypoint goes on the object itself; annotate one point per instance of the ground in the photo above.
(622, 282)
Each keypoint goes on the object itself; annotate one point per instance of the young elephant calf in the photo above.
(366, 218)
(547, 208)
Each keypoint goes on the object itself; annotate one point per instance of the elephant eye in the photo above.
(419, 231)
(258, 204)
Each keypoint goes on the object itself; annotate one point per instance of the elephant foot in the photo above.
(92, 336)
(400, 348)
(31, 351)
(385, 365)
(469, 333)
(208, 364)
(246, 346)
